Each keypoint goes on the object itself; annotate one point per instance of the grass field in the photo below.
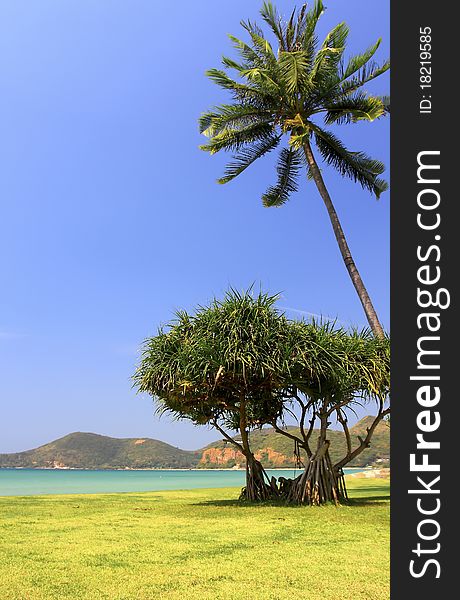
(194, 545)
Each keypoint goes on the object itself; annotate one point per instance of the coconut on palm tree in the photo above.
(297, 91)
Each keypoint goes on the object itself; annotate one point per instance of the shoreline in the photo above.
(51, 482)
(185, 469)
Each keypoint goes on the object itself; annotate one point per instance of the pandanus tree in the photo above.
(298, 90)
(224, 366)
(239, 364)
(336, 371)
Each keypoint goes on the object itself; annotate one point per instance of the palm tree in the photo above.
(285, 93)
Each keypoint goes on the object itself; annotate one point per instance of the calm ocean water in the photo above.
(27, 482)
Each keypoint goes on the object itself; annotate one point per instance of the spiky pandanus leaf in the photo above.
(386, 103)
(239, 363)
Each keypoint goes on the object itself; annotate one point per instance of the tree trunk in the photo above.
(258, 486)
(371, 315)
(319, 483)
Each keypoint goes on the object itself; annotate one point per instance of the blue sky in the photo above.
(111, 217)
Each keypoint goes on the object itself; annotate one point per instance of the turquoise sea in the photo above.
(27, 482)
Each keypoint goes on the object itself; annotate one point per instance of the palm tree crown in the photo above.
(286, 93)
(282, 92)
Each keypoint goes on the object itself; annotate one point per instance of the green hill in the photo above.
(275, 450)
(92, 451)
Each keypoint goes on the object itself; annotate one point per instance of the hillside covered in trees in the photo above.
(92, 451)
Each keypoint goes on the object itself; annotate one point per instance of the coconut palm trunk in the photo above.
(297, 90)
(350, 264)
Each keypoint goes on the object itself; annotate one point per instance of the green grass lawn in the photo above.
(196, 544)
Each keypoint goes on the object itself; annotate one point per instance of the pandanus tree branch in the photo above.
(342, 418)
(366, 441)
(303, 441)
(227, 437)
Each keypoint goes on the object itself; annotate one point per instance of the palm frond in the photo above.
(273, 20)
(261, 77)
(229, 63)
(288, 168)
(353, 109)
(306, 27)
(284, 88)
(290, 31)
(386, 103)
(261, 46)
(231, 116)
(367, 73)
(247, 156)
(311, 20)
(233, 140)
(222, 79)
(254, 94)
(328, 58)
(355, 63)
(355, 165)
(245, 51)
(337, 38)
(294, 70)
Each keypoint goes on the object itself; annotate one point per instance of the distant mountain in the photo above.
(92, 451)
(277, 451)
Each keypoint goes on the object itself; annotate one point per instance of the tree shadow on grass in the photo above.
(366, 490)
(360, 501)
(245, 503)
(368, 500)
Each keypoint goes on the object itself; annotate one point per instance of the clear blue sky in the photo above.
(111, 217)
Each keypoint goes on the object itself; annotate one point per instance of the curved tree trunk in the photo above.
(371, 315)
(257, 482)
(256, 488)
